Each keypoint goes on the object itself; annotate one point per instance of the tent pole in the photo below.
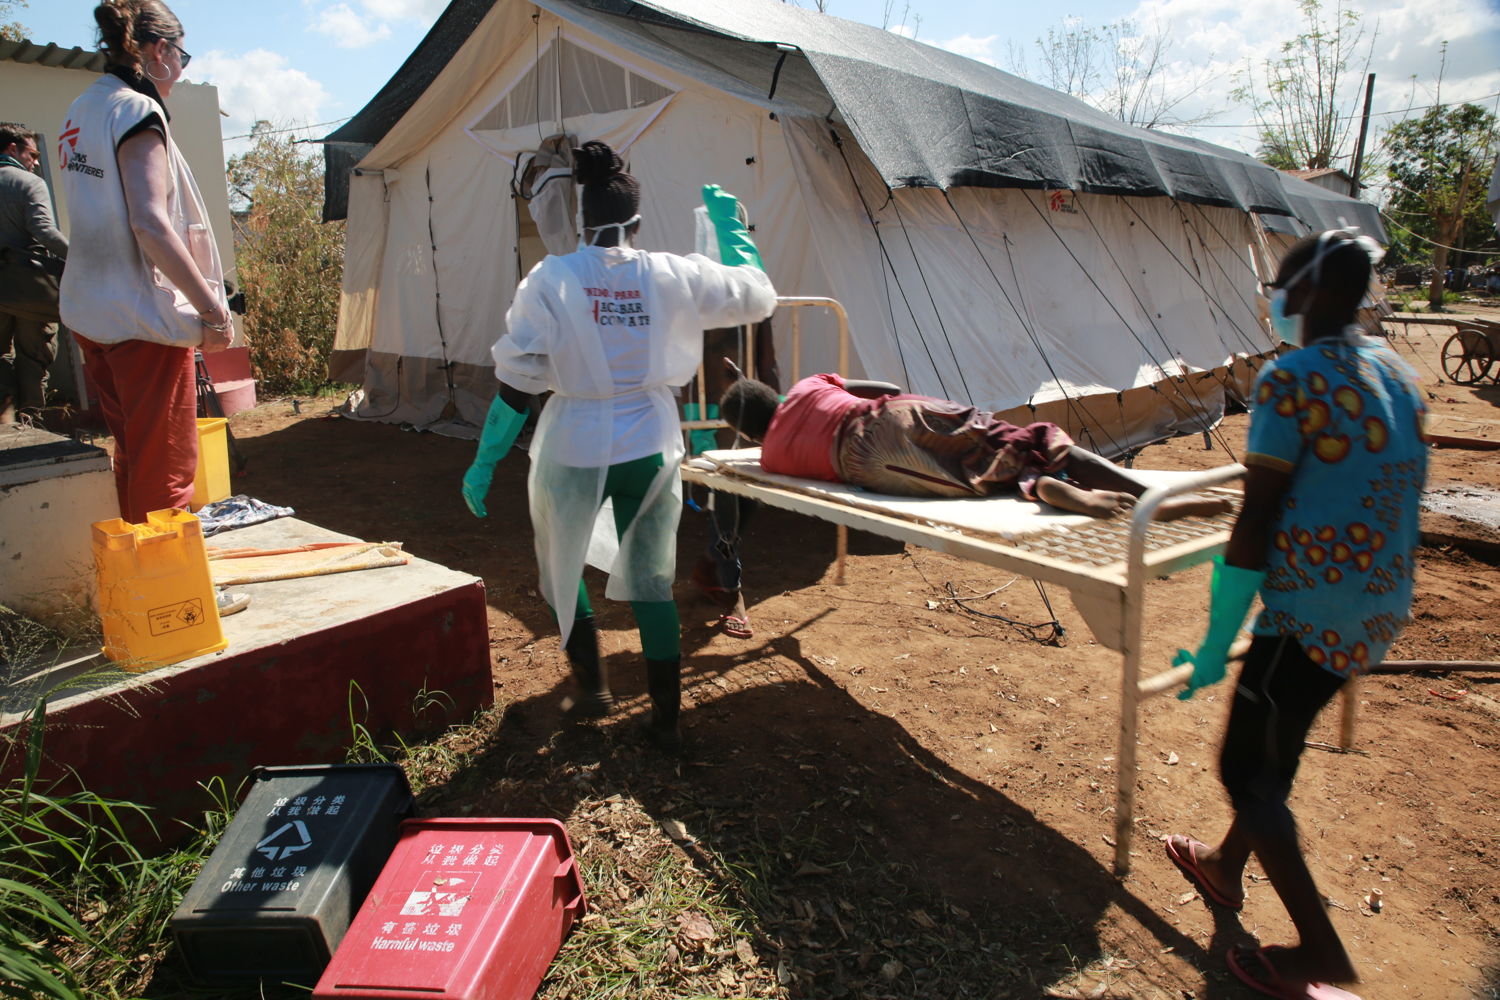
(797, 348)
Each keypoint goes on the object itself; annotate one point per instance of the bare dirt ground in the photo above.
(932, 792)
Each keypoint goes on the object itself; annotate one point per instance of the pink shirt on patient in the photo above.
(806, 426)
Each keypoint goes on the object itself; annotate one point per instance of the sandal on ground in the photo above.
(1183, 852)
(734, 626)
(231, 603)
(1253, 968)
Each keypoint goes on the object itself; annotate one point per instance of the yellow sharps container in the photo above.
(156, 597)
(211, 478)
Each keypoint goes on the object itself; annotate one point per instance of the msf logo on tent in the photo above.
(287, 840)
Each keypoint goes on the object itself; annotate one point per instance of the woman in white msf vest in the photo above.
(145, 286)
(611, 331)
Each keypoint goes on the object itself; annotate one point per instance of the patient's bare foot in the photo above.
(1192, 505)
(1094, 503)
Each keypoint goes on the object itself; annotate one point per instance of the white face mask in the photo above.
(621, 226)
(1288, 328)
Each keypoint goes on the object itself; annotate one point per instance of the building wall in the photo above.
(39, 96)
(1336, 182)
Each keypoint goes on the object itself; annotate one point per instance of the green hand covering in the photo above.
(1231, 594)
(501, 425)
(735, 245)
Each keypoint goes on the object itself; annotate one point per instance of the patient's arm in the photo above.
(867, 389)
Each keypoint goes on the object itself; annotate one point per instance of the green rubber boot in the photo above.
(664, 682)
(582, 647)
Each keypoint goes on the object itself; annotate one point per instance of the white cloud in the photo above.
(981, 49)
(903, 29)
(404, 10)
(261, 86)
(1227, 38)
(374, 20)
(348, 29)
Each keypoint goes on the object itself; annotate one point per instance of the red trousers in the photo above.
(148, 393)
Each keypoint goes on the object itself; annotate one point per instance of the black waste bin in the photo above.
(276, 896)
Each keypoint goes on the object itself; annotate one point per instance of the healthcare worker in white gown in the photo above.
(612, 332)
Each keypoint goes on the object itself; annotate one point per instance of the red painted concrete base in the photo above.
(154, 740)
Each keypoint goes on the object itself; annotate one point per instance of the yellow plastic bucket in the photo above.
(211, 479)
(156, 598)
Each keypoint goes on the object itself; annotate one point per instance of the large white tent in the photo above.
(993, 241)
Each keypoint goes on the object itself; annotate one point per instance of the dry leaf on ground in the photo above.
(694, 931)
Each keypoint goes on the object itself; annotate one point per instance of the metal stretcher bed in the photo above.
(1104, 564)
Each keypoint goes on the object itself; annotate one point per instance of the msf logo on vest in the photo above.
(67, 152)
(284, 841)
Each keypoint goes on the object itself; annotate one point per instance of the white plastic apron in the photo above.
(555, 342)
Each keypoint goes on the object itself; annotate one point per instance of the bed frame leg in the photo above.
(1126, 757)
(1132, 611)
(843, 550)
(1350, 696)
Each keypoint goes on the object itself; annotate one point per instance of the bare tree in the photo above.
(1119, 68)
(1305, 99)
(1070, 58)
(889, 23)
(1139, 94)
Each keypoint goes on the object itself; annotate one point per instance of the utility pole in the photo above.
(1364, 127)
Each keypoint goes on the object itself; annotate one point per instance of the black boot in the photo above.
(664, 682)
(582, 647)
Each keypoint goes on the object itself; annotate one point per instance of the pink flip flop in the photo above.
(1275, 986)
(735, 626)
(1183, 852)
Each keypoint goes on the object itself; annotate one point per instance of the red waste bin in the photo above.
(465, 909)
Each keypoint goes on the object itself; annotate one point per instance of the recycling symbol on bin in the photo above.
(287, 840)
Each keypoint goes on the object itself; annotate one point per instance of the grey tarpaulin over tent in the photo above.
(995, 241)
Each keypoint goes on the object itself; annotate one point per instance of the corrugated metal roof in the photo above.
(51, 54)
(1313, 174)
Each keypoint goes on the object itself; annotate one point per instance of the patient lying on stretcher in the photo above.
(872, 435)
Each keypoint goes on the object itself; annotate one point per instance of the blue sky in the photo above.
(314, 62)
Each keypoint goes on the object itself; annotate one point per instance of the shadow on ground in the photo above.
(868, 866)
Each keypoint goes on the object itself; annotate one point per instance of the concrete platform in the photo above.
(399, 649)
(51, 489)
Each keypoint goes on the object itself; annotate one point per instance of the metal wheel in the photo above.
(1467, 356)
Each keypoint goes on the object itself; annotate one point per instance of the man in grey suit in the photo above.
(31, 255)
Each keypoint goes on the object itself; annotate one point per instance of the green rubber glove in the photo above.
(501, 425)
(735, 245)
(1232, 592)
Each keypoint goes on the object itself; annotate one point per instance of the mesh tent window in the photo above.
(567, 81)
